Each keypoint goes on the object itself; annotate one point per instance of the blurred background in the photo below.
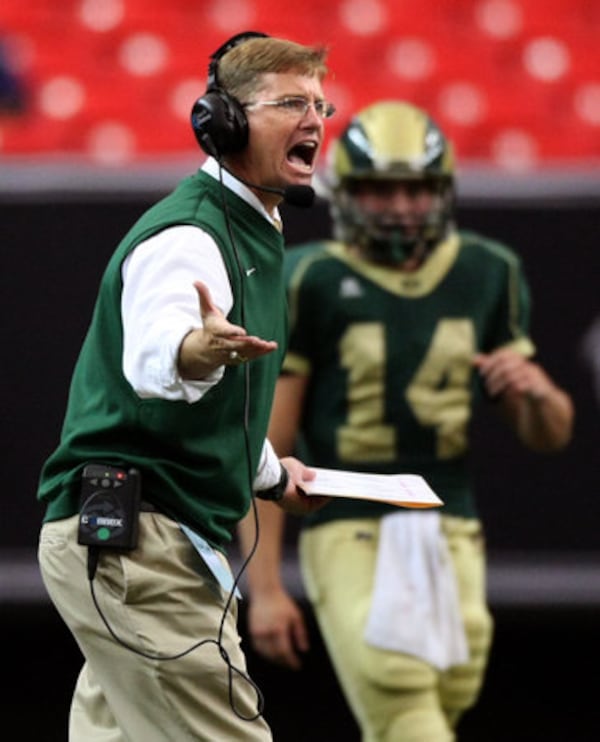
(95, 98)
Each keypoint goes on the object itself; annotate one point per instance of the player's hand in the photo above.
(277, 628)
(507, 372)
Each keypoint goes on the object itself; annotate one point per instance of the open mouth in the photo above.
(303, 155)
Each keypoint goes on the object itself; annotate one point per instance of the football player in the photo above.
(399, 327)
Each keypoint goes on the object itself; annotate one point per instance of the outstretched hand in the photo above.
(218, 342)
(230, 343)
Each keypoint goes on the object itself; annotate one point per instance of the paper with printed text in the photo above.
(403, 490)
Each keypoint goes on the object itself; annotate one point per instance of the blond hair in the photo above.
(240, 70)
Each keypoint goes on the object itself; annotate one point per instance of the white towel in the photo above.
(415, 606)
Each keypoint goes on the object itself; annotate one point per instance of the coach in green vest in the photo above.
(164, 438)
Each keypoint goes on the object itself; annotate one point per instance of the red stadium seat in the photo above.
(481, 68)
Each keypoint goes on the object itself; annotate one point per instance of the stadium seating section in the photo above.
(515, 83)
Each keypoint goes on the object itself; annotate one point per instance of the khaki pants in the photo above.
(394, 696)
(160, 599)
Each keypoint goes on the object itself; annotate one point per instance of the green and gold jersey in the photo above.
(389, 356)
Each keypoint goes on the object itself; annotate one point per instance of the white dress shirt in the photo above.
(160, 306)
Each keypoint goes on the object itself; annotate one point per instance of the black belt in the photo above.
(148, 507)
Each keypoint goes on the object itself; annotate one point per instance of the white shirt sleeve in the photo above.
(269, 468)
(160, 306)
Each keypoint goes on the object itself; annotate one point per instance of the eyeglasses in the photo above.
(297, 105)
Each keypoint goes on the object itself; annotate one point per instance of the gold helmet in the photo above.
(391, 140)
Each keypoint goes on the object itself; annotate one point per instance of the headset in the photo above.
(218, 119)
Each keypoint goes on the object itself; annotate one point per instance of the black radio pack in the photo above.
(109, 507)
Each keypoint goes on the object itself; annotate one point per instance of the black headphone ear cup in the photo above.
(219, 123)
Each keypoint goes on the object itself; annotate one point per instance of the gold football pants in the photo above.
(394, 696)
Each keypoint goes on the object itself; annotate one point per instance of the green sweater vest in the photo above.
(196, 462)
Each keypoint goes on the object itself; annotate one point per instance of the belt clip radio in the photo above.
(109, 507)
